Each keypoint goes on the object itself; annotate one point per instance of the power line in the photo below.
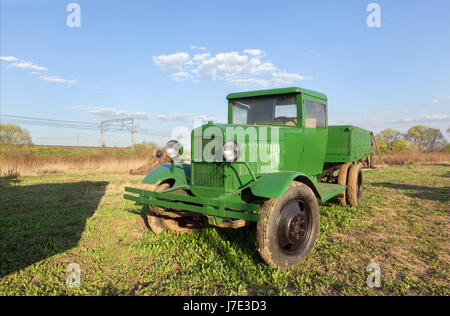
(36, 121)
(112, 126)
(44, 119)
(78, 125)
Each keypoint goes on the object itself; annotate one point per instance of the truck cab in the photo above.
(271, 163)
(300, 113)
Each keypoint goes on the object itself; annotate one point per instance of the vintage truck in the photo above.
(270, 165)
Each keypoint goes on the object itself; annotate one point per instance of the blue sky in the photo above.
(168, 62)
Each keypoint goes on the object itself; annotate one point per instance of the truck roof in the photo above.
(257, 93)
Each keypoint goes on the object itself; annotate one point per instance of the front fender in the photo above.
(181, 174)
(273, 185)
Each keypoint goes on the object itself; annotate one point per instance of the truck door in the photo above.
(315, 126)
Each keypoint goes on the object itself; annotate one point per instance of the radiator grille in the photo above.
(209, 174)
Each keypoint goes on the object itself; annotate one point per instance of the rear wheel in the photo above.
(159, 219)
(288, 226)
(355, 184)
(342, 179)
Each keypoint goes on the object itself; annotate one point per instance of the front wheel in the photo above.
(288, 226)
(160, 220)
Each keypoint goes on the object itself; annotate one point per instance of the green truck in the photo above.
(271, 164)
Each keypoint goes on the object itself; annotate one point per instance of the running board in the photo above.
(329, 190)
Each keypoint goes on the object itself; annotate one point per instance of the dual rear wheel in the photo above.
(351, 175)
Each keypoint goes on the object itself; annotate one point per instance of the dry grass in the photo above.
(35, 160)
(27, 166)
(405, 158)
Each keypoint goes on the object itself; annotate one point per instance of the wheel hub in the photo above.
(294, 226)
(295, 229)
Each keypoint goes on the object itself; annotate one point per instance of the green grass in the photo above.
(50, 221)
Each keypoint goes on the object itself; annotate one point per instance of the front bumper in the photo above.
(219, 208)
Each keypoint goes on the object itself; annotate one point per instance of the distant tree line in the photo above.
(419, 138)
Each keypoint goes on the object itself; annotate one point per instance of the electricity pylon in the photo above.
(125, 124)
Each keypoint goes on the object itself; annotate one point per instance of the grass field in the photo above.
(52, 220)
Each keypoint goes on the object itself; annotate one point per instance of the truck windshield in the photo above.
(278, 110)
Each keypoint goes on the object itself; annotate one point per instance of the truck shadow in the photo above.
(41, 220)
(244, 239)
(418, 191)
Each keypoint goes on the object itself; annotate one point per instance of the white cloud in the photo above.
(36, 70)
(57, 79)
(186, 117)
(438, 101)
(200, 57)
(254, 52)
(171, 63)
(283, 78)
(27, 65)
(245, 69)
(198, 47)
(223, 65)
(110, 112)
(9, 58)
(422, 118)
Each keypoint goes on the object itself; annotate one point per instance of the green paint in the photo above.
(273, 185)
(348, 143)
(181, 173)
(213, 207)
(329, 190)
(294, 90)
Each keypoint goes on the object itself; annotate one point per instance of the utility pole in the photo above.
(132, 134)
(78, 140)
(101, 134)
(122, 121)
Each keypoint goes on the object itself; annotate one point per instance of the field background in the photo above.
(52, 215)
(35, 160)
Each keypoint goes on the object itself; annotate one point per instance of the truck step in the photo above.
(329, 190)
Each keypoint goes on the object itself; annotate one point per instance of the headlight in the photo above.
(174, 149)
(231, 151)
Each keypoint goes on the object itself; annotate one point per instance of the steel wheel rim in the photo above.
(294, 226)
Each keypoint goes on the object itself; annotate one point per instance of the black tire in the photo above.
(288, 226)
(160, 220)
(342, 179)
(355, 185)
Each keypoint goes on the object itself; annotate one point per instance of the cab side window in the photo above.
(315, 116)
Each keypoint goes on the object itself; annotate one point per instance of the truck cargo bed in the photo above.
(348, 143)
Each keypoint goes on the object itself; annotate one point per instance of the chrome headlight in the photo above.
(174, 149)
(231, 151)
